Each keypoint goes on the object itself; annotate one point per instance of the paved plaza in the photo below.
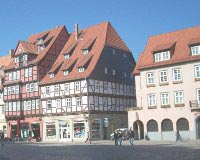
(101, 150)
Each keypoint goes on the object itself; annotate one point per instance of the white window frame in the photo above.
(30, 72)
(33, 104)
(26, 72)
(85, 51)
(66, 85)
(66, 72)
(162, 56)
(164, 97)
(195, 50)
(29, 105)
(25, 57)
(163, 76)
(37, 101)
(58, 103)
(49, 104)
(47, 90)
(151, 98)
(114, 72)
(68, 102)
(10, 76)
(150, 78)
(198, 97)
(18, 75)
(106, 70)
(105, 101)
(178, 97)
(31, 87)
(66, 56)
(197, 71)
(27, 88)
(77, 86)
(177, 74)
(97, 85)
(56, 88)
(17, 60)
(79, 101)
(81, 69)
(52, 75)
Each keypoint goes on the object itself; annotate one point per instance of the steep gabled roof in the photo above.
(25, 47)
(98, 36)
(181, 53)
(55, 67)
(4, 61)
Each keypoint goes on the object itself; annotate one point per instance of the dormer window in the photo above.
(40, 41)
(81, 69)
(42, 47)
(66, 72)
(162, 56)
(195, 50)
(17, 60)
(52, 75)
(25, 58)
(85, 51)
(66, 56)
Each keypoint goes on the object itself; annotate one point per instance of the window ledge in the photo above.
(150, 85)
(177, 82)
(135, 108)
(165, 106)
(164, 83)
(152, 107)
(197, 79)
(179, 105)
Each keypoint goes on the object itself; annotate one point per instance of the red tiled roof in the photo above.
(194, 41)
(88, 44)
(25, 47)
(68, 63)
(70, 48)
(5, 60)
(162, 47)
(104, 35)
(55, 67)
(181, 50)
(85, 60)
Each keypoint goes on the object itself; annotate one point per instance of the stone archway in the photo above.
(198, 127)
(138, 129)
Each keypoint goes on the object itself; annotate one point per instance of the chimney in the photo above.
(76, 32)
(11, 53)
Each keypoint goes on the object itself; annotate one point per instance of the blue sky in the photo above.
(134, 20)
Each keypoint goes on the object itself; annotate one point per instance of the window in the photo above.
(166, 125)
(195, 50)
(14, 106)
(150, 78)
(5, 91)
(52, 75)
(13, 90)
(9, 90)
(178, 97)
(66, 56)
(26, 72)
(56, 88)
(14, 75)
(47, 90)
(152, 99)
(33, 104)
(78, 101)
(152, 126)
(66, 72)
(79, 129)
(164, 98)
(66, 87)
(177, 74)
(28, 105)
(198, 97)
(105, 86)
(113, 72)
(58, 103)
(50, 129)
(18, 106)
(10, 76)
(163, 76)
(16, 59)
(104, 102)
(77, 86)
(37, 103)
(49, 104)
(96, 102)
(97, 85)
(25, 106)
(30, 72)
(27, 88)
(68, 102)
(81, 69)
(35, 86)
(18, 74)
(162, 56)
(197, 71)
(25, 58)
(2, 109)
(182, 124)
(17, 89)
(31, 87)
(85, 51)
(106, 70)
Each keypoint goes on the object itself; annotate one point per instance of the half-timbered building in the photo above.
(89, 87)
(30, 62)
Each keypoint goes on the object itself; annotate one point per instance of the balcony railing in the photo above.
(194, 105)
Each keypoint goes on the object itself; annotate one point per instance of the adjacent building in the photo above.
(30, 62)
(89, 87)
(4, 61)
(167, 78)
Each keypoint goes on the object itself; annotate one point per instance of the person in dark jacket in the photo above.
(131, 137)
(178, 136)
(120, 137)
(2, 139)
(115, 138)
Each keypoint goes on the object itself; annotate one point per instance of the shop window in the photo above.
(182, 124)
(50, 129)
(96, 134)
(79, 129)
(167, 125)
(152, 126)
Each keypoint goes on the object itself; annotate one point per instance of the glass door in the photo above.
(65, 133)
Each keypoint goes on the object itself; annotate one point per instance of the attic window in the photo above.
(81, 69)
(65, 72)
(66, 56)
(40, 41)
(162, 56)
(85, 51)
(16, 59)
(195, 50)
(52, 75)
(42, 47)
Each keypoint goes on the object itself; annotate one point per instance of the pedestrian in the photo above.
(120, 138)
(131, 137)
(178, 136)
(116, 138)
(2, 139)
(88, 138)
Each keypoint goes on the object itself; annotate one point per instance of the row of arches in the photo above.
(182, 124)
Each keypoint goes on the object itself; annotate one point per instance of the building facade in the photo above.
(89, 88)
(4, 61)
(30, 62)
(168, 88)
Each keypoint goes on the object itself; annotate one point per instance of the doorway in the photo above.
(65, 132)
(138, 129)
(198, 127)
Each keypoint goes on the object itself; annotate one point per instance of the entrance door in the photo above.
(198, 127)
(65, 134)
(138, 129)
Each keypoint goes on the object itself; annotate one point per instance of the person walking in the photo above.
(116, 138)
(131, 137)
(2, 139)
(88, 138)
(120, 138)
(178, 136)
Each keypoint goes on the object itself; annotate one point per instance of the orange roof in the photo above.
(55, 67)
(70, 48)
(68, 63)
(4, 61)
(103, 34)
(88, 44)
(181, 52)
(25, 47)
